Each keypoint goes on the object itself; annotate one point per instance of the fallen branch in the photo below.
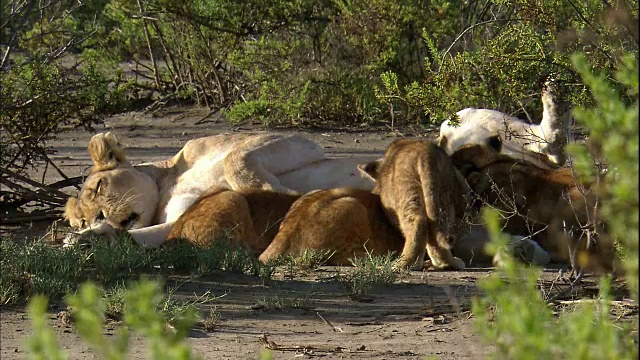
(334, 328)
(305, 349)
(54, 193)
(29, 218)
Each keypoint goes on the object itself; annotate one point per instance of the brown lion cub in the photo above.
(248, 218)
(346, 222)
(423, 196)
(550, 204)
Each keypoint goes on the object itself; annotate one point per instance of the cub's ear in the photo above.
(70, 208)
(72, 213)
(106, 152)
(370, 169)
(495, 143)
(442, 142)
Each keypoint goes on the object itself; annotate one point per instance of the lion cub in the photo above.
(248, 218)
(423, 196)
(345, 221)
(558, 211)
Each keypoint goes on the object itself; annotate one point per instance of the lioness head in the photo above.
(114, 192)
(472, 157)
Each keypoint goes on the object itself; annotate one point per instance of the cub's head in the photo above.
(114, 192)
(374, 170)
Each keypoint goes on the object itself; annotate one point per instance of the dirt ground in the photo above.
(423, 314)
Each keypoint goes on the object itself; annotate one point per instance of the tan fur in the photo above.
(106, 152)
(72, 213)
(533, 198)
(146, 199)
(347, 222)
(423, 196)
(249, 218)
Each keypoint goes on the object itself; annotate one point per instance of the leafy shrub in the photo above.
(513, 314)
(43, 91)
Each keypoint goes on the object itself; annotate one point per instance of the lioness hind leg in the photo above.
(258, 162)
(243, 171)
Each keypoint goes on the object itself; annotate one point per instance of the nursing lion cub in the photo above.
(424, 197)
(147, 199)
(559, 212)
(347, 222)
(249, 218)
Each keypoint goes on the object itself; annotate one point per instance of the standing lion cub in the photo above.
(423, 196)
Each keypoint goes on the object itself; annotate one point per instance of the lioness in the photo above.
(424, 196)
(249, 218)
(345, 221)
(521, 140)
(559, 212)
(148, 198)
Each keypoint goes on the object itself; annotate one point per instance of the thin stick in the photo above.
(330, 324)
(465, 31)
(31, 218)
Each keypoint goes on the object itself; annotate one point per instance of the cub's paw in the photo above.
(408, 265)
(456, 264)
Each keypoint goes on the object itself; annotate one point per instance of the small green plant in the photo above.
(309, 260)
(210, 322)
(514, 316)
(35, 267)
(372, 270)
(285, 302)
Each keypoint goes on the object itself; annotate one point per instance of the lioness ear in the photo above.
(495, 143)
(370, 169)
(101, 183)
(106, 152)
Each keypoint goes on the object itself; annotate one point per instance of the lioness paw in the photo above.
(523, 249)
(84, 237)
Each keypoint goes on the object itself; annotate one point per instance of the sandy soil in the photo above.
(423, 314)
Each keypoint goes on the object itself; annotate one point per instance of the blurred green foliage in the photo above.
(513, 314)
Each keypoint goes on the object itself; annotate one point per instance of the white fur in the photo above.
(518, 137)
